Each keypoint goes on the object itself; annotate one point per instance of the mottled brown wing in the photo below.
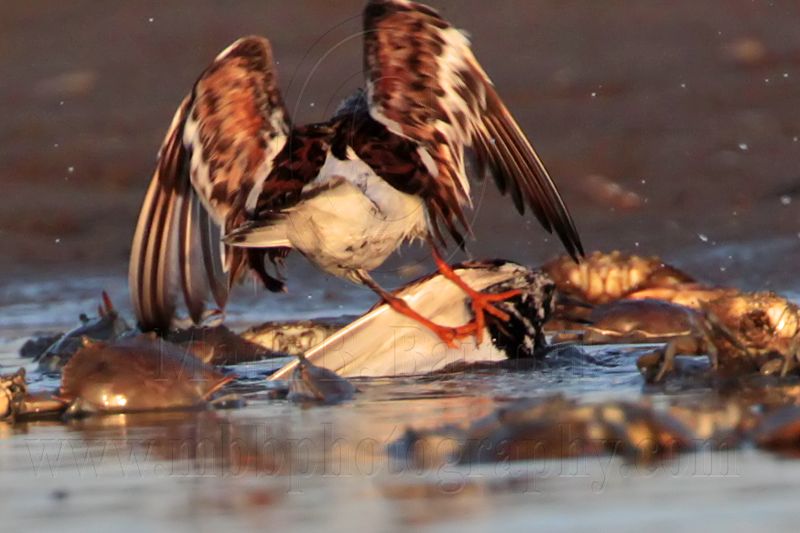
(294, 177)
(424, 84)
(218, 150)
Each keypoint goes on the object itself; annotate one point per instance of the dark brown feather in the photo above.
(425, 85)
(297, 165)
(221, 144)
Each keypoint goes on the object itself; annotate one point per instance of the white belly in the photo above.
(356, 224)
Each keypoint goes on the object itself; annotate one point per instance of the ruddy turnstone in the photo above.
(388, 167)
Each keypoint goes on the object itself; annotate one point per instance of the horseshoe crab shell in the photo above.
(137, 374)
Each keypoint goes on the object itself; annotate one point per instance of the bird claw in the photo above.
(482, 304)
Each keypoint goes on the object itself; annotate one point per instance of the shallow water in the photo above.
(277, 464)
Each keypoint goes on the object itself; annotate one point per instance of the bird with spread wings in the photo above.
(237, 184)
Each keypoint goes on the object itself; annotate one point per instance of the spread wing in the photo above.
(219, 148)
(424, 84)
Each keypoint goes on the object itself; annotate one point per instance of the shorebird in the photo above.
(363, 348)
(237, 183)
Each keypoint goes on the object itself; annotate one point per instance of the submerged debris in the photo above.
(311, 383)
(37, 345)
(779, 430)
(427, 448)
(108, 325)
(716, 423)
(218, 345)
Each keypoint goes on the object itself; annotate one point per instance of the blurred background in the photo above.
(672, 128)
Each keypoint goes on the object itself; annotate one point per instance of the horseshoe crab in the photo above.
(550, 428)
(683, 330)
(137, 374)
(604, 277)
(13, 390)
(294, 338)
(743, 332)
(16, 402)
(768, 325)
(692, 295)
(218, 345)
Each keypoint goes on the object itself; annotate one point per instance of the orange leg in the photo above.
(449, 335)
(481, 302)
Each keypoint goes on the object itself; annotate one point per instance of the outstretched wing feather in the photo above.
(424, 84)
(214, 159)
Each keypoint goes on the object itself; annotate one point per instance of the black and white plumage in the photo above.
(384, 343)
(387, 168)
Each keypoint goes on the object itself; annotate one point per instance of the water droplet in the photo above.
(703, 237)
(683, 85)
(785, 74)
(786, 199)
(743, 147)
(151, 19)
(594, 95)
(58, 241)
(70, 169)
